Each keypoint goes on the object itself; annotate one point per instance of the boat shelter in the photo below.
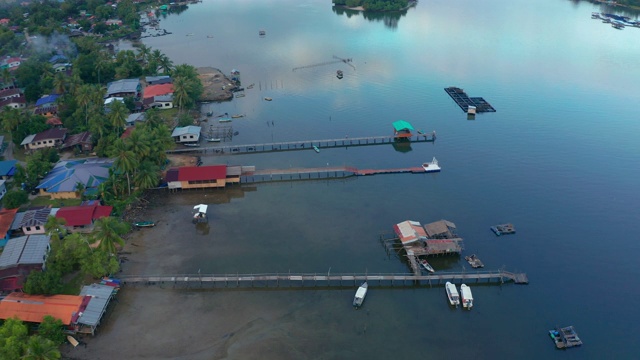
(409, 232)
(402, 129)
(99, 297)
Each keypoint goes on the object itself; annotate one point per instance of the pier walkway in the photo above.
(325, 280)
(334, 172)
(302, 145)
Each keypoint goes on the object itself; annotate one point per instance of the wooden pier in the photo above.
(464, 101)
(291, 280)
(303, 145)
(335, 172)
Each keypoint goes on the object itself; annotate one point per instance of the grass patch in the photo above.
(46, 201)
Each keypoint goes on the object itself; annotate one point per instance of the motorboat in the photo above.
(237, 116)
(214, 139)
(225, 120)
(358, 299)
(191, 144)
(316, 149)
(467, 298)
(431, 166)
(452, 294)
(268, 99)
(426, 265)
(144, 224)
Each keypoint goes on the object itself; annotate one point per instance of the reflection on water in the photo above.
(202, 228)
(390, 19)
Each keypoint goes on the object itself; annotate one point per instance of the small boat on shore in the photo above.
(358, 299)
(426, 265)
(237, 116)
(268, 99)
(239, 95)
(467, 297)
(191, 144)
(452, 294)
(316, 149)
(144, 224)
(214, 139)
(251, 86)
(431, 166)
(339, 74)
(225, 120)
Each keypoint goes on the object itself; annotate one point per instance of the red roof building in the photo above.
(6, 219)
(33, 308)
(81, 217)
(195, 177)
(156, 90)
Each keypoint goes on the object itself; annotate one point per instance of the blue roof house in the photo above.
(7, 169)
(61, 181)
(47, 100)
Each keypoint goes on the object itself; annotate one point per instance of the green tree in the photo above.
(117, 115)
(54, 227)
(14, 198)
(46, 282)
(109, 231)
(52, 329)
(99, 263)
(126, 160)
(39, 348)
(147, 176)
(13, 336)
(60, 83)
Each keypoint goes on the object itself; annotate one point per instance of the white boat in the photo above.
(214, 139)
(316, 149)
(431, 166)
(467, 298)
(360, 294)
(452, 294)
(225, 120)
(426, 265)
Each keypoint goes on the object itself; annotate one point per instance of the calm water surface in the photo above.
(559, 159)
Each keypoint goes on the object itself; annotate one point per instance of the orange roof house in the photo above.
(6, 218)
(409, 232)
(157, 90)
(33, 308)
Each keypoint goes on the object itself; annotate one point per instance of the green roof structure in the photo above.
(401, 125)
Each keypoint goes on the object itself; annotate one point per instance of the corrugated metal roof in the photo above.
(123, 86)
(156, 90)
(6, 219)
(66, 174)
(35, 217)
(33, 308)
(195, 130)
(27, 140)
(15, 225)
(48, 99)
(409, 231)
(50, 134)
(30, 249)
(234, 170)
(402, 125)
(6, 166)
(100, 296)
(202, 173)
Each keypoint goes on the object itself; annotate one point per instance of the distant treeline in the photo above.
(635, 3)
(378, 5)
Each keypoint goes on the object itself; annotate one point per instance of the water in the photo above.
(558, 159)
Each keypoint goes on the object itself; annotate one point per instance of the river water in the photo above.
(559, 159)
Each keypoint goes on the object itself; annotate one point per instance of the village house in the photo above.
(46, 105)
(54, 121)
(441, 229)
(115, 22)
(7, 169)
(158, 102)
(124, 88)
(409, 232)
(20, 256)
(80, 142)
(155, 90)
(81, 218)
(6, 219)
(10, 93)
(61, 182)
(61, 67)
(33, 308)
(132, 119)
(6, 85)
(33, 220)
(19, 102)
(11, 63)
(49, 138)
(158, 80)
(58, 59)
(5, 22)
(186, 134)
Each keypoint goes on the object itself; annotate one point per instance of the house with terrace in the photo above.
(124, 88)
(49, 138)
(186, 134)
(62, 181)
(32, 221)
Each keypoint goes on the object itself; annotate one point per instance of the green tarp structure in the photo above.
(401, 125)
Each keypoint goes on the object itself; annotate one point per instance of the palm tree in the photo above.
(108, 231)
(181, 92)
(165, 64)
(118, 113)
(39, 348)
(100, 65)
(10, 118)
(147, 176)
(60, 83)
(6, 75)
(138, 143)
(83, 96)
(126, 160)
(144, 52)
(54, 227)
(75, 82)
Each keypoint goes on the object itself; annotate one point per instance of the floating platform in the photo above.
(503, 229)
(474, 261)
(565, 337)
(464, 101)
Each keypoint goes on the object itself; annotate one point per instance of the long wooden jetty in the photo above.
(303, 145)
(334, 172)
(464, 101)
(325, 280)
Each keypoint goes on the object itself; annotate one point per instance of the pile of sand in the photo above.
(217, 87)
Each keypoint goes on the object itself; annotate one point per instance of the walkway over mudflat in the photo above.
(325, 280)
(303, 145)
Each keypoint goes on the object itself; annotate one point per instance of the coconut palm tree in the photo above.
(181, 92)
(126, 160)
(108, 231)
(39, 348)
(6, 75)
(10, 118)
(144, 52)
(83, 96)
(118, 113)
(146, 176)
(139, 144)
(165, 64)
(60, 83)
